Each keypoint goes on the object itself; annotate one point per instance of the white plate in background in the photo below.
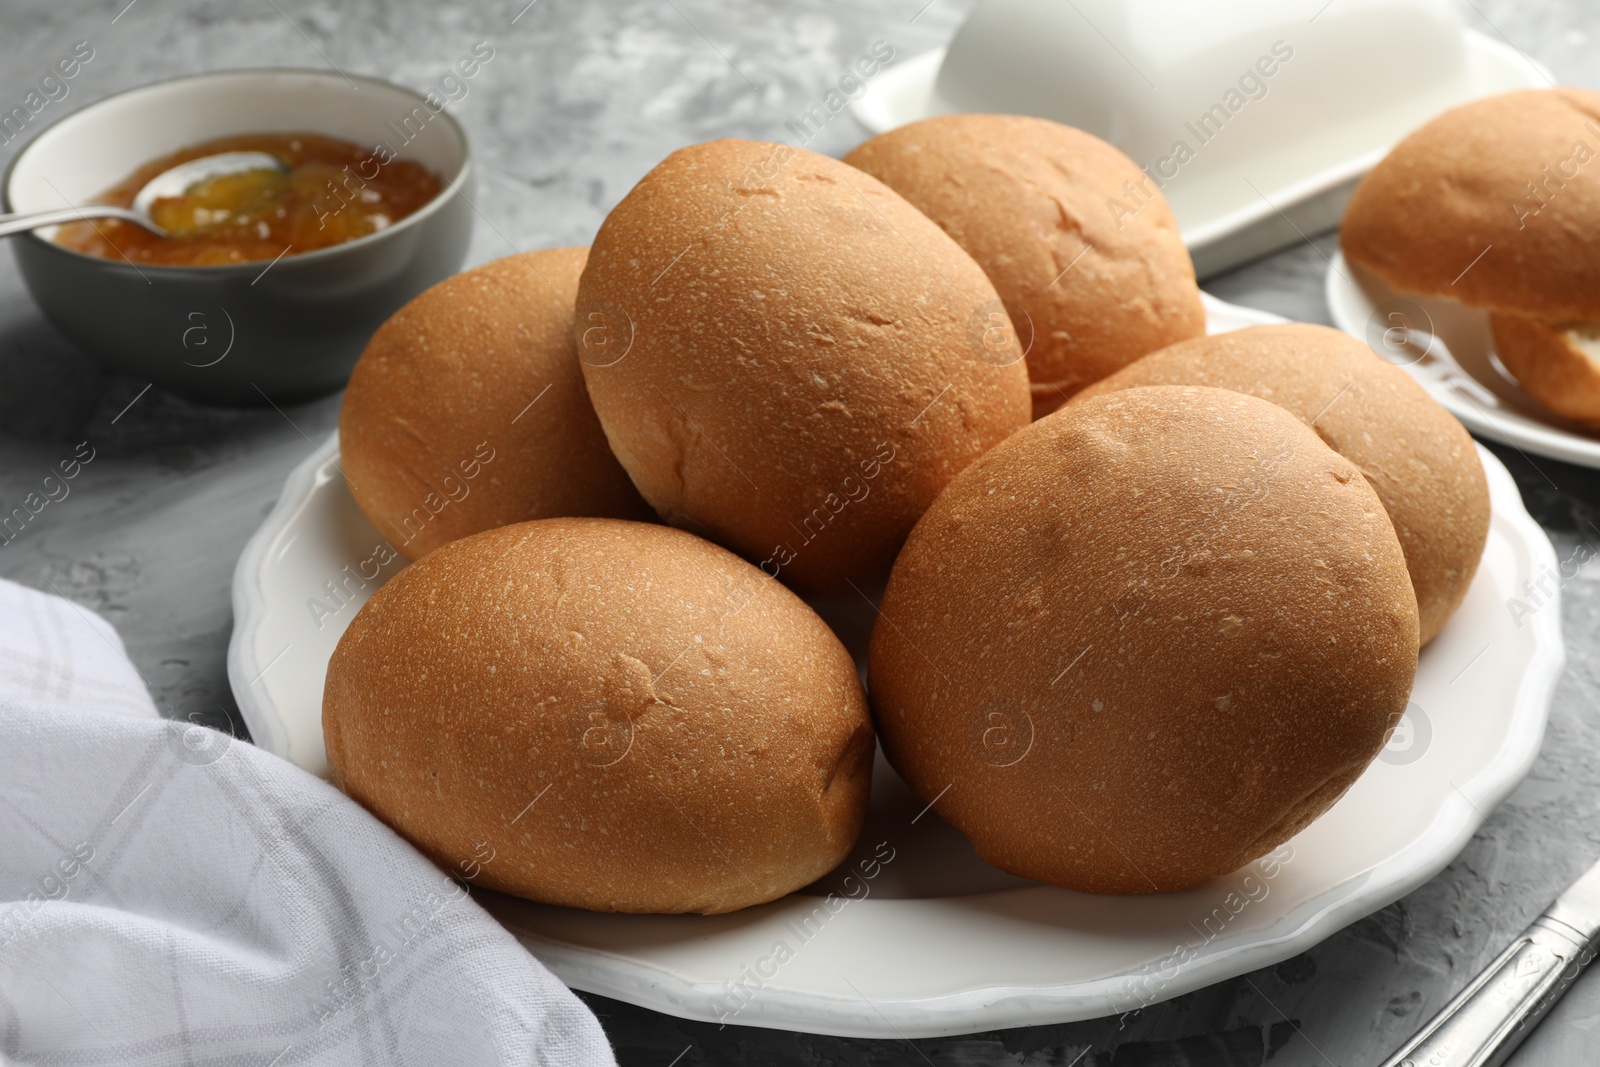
(1452, 354)
(940, 942)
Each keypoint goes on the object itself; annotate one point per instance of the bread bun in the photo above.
(788, 358)
(467, 410)
(1558, 365)
(1144, 641)
(1079, 242)
(626, 717)
(1494, 203)
(1413, 452)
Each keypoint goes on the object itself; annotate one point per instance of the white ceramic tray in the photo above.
(1448, 348)
(937, 942)
(1226, 223)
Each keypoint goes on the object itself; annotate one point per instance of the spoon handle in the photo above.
(32, 220)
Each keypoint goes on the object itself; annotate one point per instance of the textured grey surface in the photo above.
(579, 101)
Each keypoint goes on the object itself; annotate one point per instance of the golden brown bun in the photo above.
(1460, 185)
(694, 737)
(1144, 641)
(1025, 197)
(437, 435)
(1550, 364)
(788, 358)
(1413, 452)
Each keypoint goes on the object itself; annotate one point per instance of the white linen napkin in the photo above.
(170, 895)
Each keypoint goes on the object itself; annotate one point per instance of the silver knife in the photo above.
(1486, 1022)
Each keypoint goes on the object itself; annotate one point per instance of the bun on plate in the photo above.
(1144, 641)
(789, 359)
(467, 410)
(1413, 452)
(1495, 204)
(626, 717)
(1079, 242)
(1558, 364)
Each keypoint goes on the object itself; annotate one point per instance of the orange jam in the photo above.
(333, 191)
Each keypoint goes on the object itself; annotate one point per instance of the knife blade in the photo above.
(1488, 1019)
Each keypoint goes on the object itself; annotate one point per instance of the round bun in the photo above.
(1144, 641)
(1079, 242)
(1556, 364)
(790, 359)
(603, 714)
(467, 410)
(1412, 451)
(1513, 174)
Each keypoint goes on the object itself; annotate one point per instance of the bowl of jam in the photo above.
(269, 281)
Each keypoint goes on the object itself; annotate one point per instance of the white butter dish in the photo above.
(1255, 118)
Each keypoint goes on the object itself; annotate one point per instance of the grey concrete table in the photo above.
(580, 99)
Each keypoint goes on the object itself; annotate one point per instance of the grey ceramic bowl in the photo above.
(248, 333)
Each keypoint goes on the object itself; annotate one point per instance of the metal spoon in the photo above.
(172, 182)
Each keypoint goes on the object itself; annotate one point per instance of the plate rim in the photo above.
(1551, 441)
(657, 988)
(250, 602)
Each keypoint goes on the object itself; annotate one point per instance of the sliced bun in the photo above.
(627, 717)
(467, 410)
(1558, 365)
(1144, 641)
(788, 358)
(1413, 452)
(1079, 242)
(1516, 175)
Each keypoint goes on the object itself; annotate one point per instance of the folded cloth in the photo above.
(171, 895)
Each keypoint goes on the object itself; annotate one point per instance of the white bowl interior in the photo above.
(92, 149)
(1264, 91)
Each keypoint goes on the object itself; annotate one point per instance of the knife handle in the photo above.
(1487, 1020)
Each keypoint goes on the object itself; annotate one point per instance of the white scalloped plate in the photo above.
(938, 942)
(1452, 354)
